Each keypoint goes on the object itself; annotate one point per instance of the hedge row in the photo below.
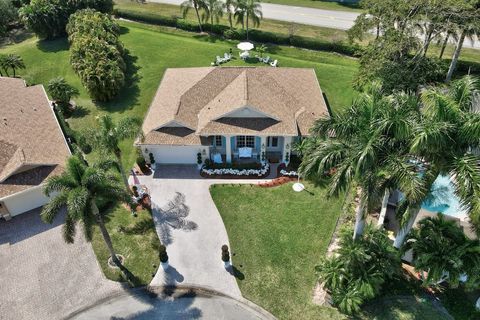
(238, 34)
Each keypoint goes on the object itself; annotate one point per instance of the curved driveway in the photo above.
(189, 224)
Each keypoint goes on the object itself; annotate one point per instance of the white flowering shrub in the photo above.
(284, 172)
(238, 172)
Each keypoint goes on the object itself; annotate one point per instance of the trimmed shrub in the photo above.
(234, 34)
(162, 253)
(225, 253)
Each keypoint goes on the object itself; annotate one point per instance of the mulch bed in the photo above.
(277, 182)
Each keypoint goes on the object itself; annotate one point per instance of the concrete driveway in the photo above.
(190, 226)
(42, 277)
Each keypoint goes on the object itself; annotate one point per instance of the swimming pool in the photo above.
(442, 199)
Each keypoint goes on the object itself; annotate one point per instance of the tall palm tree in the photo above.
(14, 62)
(441, 248)
(78, 188)
(364, 147)
(214, 10)
(446, 141)
(195, 4)
(252, 11)
(230, 6)
(108, 135)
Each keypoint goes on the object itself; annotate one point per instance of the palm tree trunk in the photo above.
(444, 45)
(13, 72)
(230, 18)
(456, 55)
(428, 39)
(404, 230)
(359, 218)
(247, 25)
(383, 211)
(198, 17)
(106, 236)
(118, 154)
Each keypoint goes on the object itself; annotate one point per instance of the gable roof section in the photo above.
(288, 100)
(29, 132)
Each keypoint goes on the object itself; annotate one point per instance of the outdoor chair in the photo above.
(274, 63)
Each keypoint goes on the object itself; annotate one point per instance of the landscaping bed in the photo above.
(235, 171)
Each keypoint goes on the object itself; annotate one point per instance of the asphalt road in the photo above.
(342, 20)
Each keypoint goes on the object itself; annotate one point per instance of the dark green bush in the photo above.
(162, 253)
(187, 25)
(225, 253)
(234, 34)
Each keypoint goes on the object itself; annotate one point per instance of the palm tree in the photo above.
(445, 141)
(214, 10)
(441, 248)
(197, 5)
(364, 147)
(230, 6)
(61, 91)
(252, 11)
(78, 188)
(108, 135)
(358, 269)
(3, 66)
(13, 61)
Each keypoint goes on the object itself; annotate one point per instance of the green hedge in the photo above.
(238, 34)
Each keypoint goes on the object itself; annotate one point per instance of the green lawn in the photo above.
(134, 238)
(168, 10)
(319, 4)
(277, 238)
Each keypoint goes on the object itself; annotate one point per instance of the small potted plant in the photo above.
(225, 256)
(163, 257)
(152, 160)
(135, 191)
(199, 161)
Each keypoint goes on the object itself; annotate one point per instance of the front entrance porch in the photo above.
(247, 149)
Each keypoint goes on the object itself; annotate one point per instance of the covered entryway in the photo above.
(176, 154)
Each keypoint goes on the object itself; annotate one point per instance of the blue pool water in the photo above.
(443, 199)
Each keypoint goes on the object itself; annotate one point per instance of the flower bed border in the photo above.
(236, 176)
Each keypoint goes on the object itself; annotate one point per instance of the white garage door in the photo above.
(176, 154)
(25, 201)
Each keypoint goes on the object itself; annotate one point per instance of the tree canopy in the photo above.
(96, 54)
(48, 18)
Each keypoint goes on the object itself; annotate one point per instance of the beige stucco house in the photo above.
(231, 112)
(32, 146)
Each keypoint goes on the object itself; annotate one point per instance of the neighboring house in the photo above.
(218, 110)
(32, 146)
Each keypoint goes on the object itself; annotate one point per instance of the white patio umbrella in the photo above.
(245, 46)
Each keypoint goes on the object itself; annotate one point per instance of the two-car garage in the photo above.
(167, 154)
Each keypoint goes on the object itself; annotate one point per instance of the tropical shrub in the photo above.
(61, 91)
(162, 253)
(8, 15)
(358, 269)
(96, 54)
(48, 18)
(440, 247)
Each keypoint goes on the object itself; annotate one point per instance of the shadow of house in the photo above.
(172, 217)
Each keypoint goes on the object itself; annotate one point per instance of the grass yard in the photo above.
(277, 238)
(133, 237)
(169, 10)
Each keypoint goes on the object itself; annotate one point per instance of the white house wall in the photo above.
(25, 201)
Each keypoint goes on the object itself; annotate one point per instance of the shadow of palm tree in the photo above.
(172, 216)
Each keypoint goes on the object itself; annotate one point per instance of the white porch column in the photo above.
(228, 149)
(287, 148)
(263, 149)
(383, 211)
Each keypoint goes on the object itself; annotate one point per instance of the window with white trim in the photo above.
(245, 141)
(272, 142)
(216, 141)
